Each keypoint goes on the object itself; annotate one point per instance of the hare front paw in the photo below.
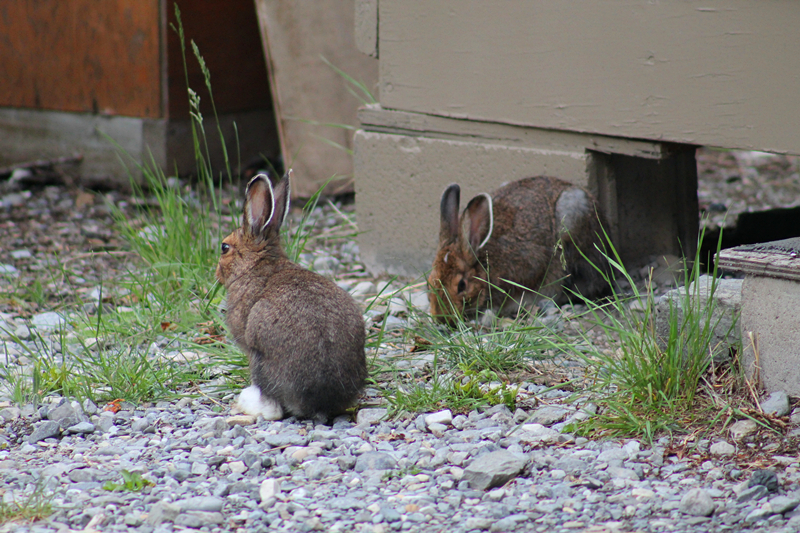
(252, 403)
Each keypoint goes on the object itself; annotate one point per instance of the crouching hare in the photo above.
(303, 335)
(515, 247)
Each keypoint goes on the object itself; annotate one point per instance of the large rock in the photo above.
(198, 519)
(549, 415)
(722, 448)
(784, 504)
(493, 469)
(286, 439)
(725, 318)
(45, 430)
(201, 503)
(270, 488)
(162, 512)
(766, 478)
(48, 321)
(65, 410)
(697, 502)
(777, 404)
(371, 415)
(375, 461)
(743, 428)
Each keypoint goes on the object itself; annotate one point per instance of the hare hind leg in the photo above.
(251, 402)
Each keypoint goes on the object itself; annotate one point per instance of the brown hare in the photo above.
(521, 244)
(303, 335)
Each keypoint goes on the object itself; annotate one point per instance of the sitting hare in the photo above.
(303, 335)
(520, 244)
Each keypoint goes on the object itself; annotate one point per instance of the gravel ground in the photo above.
(199, 466)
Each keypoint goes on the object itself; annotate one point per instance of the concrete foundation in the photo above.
(27, 135)
(403, 162)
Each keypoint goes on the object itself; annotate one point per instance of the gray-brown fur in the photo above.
(530, 217)
(303, 335)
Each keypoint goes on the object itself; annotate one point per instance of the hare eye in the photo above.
(462, 286)
(225, 247)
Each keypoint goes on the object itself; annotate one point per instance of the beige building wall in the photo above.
(714, 73)
(486, 92)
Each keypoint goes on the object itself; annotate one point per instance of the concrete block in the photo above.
(771, 338)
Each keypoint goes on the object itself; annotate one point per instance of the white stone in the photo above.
(697, 502)
(642, 494)
(371, 415)
(199, 468)
(238, 467)
(240, 420)
(441, 417)
(743, 428)
(49, 320)
(21, 254)
(270, 488)
(722, 448)
(437, 430)
(362, 289)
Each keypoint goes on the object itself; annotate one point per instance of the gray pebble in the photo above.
(162, 512)
(198, 519)
(764, 477)
(81, 428)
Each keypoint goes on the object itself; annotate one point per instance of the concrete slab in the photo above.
(28, 134)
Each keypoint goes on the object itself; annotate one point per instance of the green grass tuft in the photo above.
(35, 506)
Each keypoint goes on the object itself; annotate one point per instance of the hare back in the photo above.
(304, 337)
(525, 235)
(532, 216)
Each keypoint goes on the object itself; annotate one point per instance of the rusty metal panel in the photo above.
(82, 55)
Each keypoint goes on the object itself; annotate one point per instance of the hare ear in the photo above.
(448, 228)
(259, 206)
(283, 199)
(477, 222)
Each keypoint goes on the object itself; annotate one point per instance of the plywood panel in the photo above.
(717, 72)
(81, 55)
(228, 38)
(307, 92)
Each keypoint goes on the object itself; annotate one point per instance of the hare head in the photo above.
(256, 242)
(458, 281)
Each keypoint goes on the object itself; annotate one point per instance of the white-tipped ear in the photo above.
(477, 222)
(259, 204)
(288, 179)
(491, 220)
(448, 214)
